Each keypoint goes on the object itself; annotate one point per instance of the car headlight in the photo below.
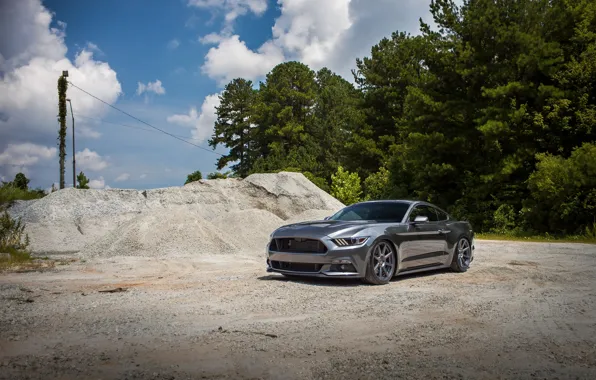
(351, 241)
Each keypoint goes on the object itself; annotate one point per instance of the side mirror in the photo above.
(421, 219)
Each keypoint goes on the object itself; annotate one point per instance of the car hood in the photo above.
(323, 228)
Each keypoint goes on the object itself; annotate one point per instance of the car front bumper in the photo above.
(338, 261)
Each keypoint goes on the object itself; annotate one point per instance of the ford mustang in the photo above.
(373, 241)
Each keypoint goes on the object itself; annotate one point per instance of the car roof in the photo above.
(407, 201)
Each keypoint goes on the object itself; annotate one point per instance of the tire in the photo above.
(461, 255)
(382, 256)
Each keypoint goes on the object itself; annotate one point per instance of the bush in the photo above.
(83, 181)
(12, 234)
(9, 193)
(218, 175)
(376, 186)
(21, 182)
(345, 186)
(504, 219)
(563, 192)
(192, 177)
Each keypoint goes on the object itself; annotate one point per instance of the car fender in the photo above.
(385, 238)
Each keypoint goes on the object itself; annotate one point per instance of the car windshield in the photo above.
(374, 211)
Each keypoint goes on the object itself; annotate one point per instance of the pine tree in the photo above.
(233, 127)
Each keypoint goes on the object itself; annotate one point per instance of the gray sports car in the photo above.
(374, 241)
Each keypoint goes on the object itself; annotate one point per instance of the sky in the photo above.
(164, 62)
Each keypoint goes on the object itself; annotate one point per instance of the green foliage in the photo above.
(218, 175)
(194, 176)
(62, 86)
(233, 126)
(10, 193)
(377, 186)
(12, 234)
(563, 192)
(21, 182)
(482, 116)
(320, 182)
(504, 219)
(345, 186)
(83, 181)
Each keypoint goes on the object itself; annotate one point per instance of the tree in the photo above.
(194, 176)
(233, 125)
(345, 186)
(83, 181)
(21, 182)
(284, 118)
(376, 185)
(563, 192)
(62, 86)
(338, 118)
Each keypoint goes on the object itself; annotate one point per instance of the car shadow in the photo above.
(314, 281)
(349, 282)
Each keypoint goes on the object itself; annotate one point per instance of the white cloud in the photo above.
(33, 56)
(308, 30)
(173, 44)
(155, 87)
(98, 183)
(232, 59)
(19, 157)
(232, 8)
(90, 160)
(203, 122)
(26, 154)
(93, 47)
(142, 176)
(213, 38)
(330, 33)
(122, 177)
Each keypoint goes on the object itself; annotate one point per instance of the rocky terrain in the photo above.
(171, 284)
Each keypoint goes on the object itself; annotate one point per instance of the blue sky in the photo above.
(180, 53)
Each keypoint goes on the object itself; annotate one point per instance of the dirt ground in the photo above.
(523, 311)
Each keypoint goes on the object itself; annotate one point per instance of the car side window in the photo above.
(423, 210)
(442, 216)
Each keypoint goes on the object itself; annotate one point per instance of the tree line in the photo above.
(492, 116)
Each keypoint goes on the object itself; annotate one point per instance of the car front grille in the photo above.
(298, 245)
(296, 267)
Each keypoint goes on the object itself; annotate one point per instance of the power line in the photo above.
(111, 122)
(144, 122)
(124, 125)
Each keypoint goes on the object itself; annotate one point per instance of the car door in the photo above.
(428, 246)
(444, 231)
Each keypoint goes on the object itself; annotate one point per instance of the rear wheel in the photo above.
(462, 255)
(381, 264)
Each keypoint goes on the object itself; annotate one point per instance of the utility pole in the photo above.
(62, 86)
(74, 171)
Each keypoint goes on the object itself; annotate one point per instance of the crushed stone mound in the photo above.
(248, 229)
(208, 216)
(178, 231)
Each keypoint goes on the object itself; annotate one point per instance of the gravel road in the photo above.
(523, 311)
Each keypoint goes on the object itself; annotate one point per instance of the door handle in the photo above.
(443, 232)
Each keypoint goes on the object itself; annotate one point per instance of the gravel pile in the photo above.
(223, 216)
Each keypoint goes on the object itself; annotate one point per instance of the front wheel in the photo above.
(462, 255)
(381, 264)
